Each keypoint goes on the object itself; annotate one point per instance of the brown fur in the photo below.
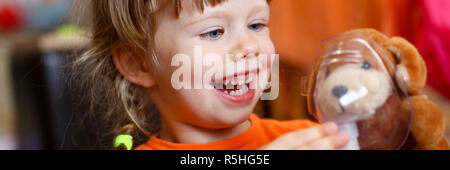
(428, 125)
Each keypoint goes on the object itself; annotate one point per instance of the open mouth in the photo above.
(237, 88)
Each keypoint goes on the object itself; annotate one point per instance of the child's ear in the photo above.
(131, 64)
(411, 68)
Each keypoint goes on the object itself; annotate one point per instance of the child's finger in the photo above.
(328, 143)
(298, 138)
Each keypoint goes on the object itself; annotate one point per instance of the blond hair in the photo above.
(109, 93)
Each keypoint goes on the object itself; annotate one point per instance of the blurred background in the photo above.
(37, 42)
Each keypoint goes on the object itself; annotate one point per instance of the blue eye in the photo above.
(213, 35)
(256, 27)
(366, 65)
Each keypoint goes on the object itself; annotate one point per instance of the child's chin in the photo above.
(229, 119)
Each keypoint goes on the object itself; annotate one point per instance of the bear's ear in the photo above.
(410, 68)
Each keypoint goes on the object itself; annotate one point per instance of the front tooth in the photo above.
(233, 93)
(229, 86)
(241, 82)
(227, 82)
(241, 79)
(242, 86)
(226, 92)
(245, 88)
(250, 78)
(234, 82)
(238, 92)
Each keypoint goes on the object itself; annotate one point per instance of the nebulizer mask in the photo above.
(355, 87)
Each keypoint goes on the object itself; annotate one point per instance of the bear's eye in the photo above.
(366, 65)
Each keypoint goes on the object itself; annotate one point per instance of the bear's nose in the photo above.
(339, 91)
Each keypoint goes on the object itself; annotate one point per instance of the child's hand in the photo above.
(323, 137)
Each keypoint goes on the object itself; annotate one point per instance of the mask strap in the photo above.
(304, 86)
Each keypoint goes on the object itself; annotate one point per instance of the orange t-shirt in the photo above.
(261, 132)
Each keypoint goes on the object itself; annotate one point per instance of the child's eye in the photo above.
(257, 27)
(213, 35)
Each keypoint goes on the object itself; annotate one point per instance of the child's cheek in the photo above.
(268, 46)
(268, 49)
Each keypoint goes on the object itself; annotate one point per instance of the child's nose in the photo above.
(246, 46)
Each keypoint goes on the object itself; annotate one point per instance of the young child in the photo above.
(129, 67)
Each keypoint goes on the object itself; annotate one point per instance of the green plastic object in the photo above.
(124, 141)
(68, 31)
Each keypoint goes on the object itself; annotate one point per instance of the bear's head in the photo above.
(353, 90)
(364, 76)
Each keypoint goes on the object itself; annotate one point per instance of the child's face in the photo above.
(233, 27)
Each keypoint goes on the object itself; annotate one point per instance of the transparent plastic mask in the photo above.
(355, 88)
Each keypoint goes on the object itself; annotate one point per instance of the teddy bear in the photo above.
(383, 94)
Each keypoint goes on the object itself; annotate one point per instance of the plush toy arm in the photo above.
(428, 128)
